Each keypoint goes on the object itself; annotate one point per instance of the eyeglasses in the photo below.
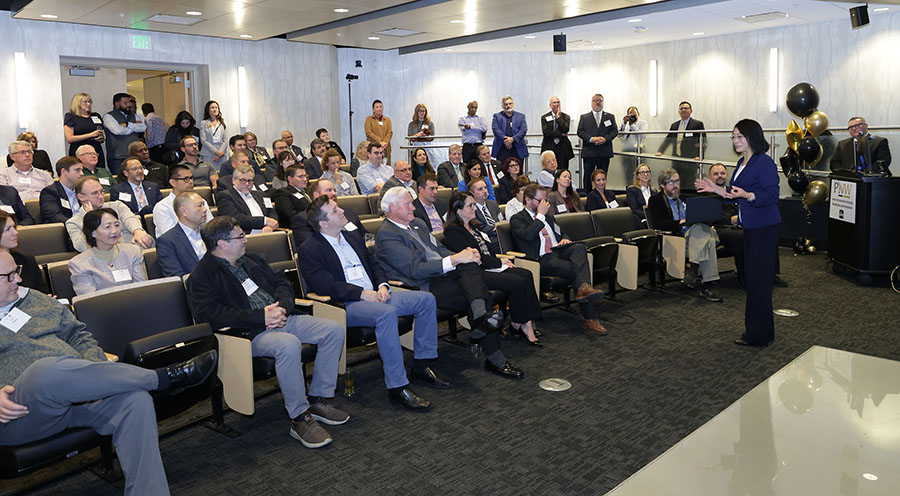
(242, 236)
(244, 181)
(644, 172)
(684, 108)
(186, 145)
(90, 154)
(858, 124)
(26, 152)
(185, 179)
(10, 277)
(674, 182)
(469, 205)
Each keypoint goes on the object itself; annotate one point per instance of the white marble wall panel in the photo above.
(725, 78)
(290, 85)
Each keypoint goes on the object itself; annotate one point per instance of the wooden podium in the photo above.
(863, 236)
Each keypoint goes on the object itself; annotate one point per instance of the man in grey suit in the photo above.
(180, 248)
(596, 129)
(402, 178)
(487, 212)
(868, 149)
(450, 173)
(555, 128)
(408, 252)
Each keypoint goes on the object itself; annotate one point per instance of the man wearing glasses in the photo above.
(666, 210)
(248, 206)
(203, 173)
(868, 149)
(182, 181)
(140, 196)
(685, 144)
(90, 197)
(235, 289)
(89, 158)
(27, 180)
(153, 171)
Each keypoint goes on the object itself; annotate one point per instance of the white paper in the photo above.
(15, 319)
(548, 118)
(7, 209)
(688, 135)
(125, 197)
(104, 181)
(121, 275)
(613, 204)
(24, 180)
(561, 207)
(249, 286)
(298, 196)
(350, 226)
(607, 123)
(354, 273)
(65, 203)
(96, 120)
(263, 187)
(267, 202)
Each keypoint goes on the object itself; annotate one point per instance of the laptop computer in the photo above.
(702, 209)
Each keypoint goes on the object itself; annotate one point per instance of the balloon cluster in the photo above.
(803, 101)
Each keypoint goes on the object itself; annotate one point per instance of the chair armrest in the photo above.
(301, 302)
(403, 285)
(506, 256)
(618, 240)
(319, 298)
(516, 254)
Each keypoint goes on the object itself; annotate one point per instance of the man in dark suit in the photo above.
(140, 196)
(154, 172)
(291, 199)
(233, 288)
(450, 173)
(181, 247)
(11, 203)
(402, 178)
(555, 128)
(666, 212)
(271, 167)
(288, 138)
(337, 264)
(240, 158)
(490, 167)
(536, 233)
(487, 212)
(314, 163)
(509, 128)
(249, 207)
(597, 129)
(689, 146)
(237, 150)
(428, 209)
(59, 201)
(409, 253)
(302, 230)
(868, 149)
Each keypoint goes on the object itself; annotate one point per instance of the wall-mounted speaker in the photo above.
(859, 16)
(559, 43)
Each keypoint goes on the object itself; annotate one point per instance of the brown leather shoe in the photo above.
(594, 325)
(586, 293)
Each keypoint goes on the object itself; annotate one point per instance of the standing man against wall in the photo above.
(123, 127)
(509, 129)
(473, 128)
(555, 128)
(596, 129)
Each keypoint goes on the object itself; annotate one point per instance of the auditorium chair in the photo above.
(151, 262)
(45, 242)
(60, 280)
(373, 225)
(149, 225)
(444, 195)
(374, 204)
(275, 247)
(617, 222)
(358, 204)
(205, 192)
(672, 252)
(604, 250)
(22, 459)
(34, 209)
(542, 283)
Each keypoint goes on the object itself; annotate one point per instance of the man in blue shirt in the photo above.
(473, 129)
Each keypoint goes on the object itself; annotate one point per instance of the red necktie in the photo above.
(548, 243)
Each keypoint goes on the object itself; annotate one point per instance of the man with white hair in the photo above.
(89, 159)
(409, 253)
(90, 196)
(548, 169)
(27, 180)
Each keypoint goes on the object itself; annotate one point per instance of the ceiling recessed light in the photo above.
(635, 20)
(246, 36)
(457, 21)
(194, 12)
(448, 49)
(530, 37)
(699, 33)
(640, 29)
(374, 38)
(871, 477)
(341, 10)
(49, 16)
(881, 9)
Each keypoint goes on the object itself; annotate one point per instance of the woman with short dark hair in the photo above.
(108, 263)
(9, 240)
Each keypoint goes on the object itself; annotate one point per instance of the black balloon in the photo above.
(790, 162)
(798, 181)
(802, 100)
(808, 149)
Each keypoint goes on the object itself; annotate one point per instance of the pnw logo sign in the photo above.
(843, 201)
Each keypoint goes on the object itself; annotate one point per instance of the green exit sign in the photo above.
(140, 41)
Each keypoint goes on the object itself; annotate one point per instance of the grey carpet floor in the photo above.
(667, 366)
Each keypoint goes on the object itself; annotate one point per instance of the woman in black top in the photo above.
(512, 168)
(462, 231)
(83, 127)
(40, 159)
(421, 165)
(9, 239)
(184, 126)
(598, 197)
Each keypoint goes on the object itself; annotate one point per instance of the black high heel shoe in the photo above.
(520, 333)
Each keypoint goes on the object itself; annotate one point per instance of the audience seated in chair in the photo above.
(59, 200)
(108, 263)
(32, 276)
(249, 207)
(313, 164)
(90, 197)
(301, 229)
(140, 196)
(403, 177)
(11, 203)
(164, 215)
(428, 209)
(337, 264)
(235, 289)
(89, 161)
(180, 249)
(372, 175)
(22, 175)
(293, 198)
(56, 377)
(343, 181)
(154, 172)
(203, 173)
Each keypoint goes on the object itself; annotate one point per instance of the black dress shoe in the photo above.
(492, 322)
(190, 373)
(548, 297)
(406, 398)
(779, 282)
(507, 370)
(430, 378)
(741, 342)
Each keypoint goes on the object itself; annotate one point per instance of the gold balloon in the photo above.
(816, 192)
(794, 134)
(816, 123)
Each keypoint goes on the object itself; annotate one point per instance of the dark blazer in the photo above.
(457, 238)
(288, 203)
(157, 174)
(231, 203)
(216, 296)
(519, 128)
(504, 190)
(298, 152)
(31, 273)
(634, 198)
(587, 129)
(874, 149)
(421, 214)
(526, 232)
(661, 214)
(392, 182)
(151, 190)
(690, 145)
(10, 196)
(447, 176)
(302, 230)
(759, 177)
(175, 254)
(403, 258)
(563, 149)
(597, 201)
(322, 271)
(227, 169)
(224, 183)
(52, 209)
(494, 209)
(313, 167)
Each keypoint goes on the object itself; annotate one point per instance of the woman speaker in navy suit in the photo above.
(754, 185)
